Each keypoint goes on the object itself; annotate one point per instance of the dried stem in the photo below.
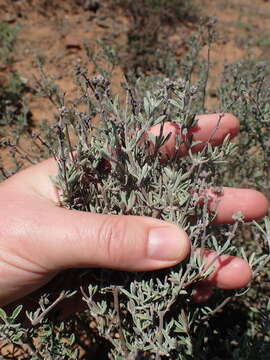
(119, 322)
(38, 319)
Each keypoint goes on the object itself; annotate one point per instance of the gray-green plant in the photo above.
(148, 48)
(116, 167)
(8, 35)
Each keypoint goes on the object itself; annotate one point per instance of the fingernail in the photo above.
(166, 244)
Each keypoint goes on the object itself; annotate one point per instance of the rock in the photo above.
(10, 18)
(72, 42)
(92, 5)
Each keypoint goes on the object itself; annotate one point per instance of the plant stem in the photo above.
(117, 309)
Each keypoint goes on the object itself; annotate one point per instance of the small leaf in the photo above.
(71, 340)
(3, 315)
(16, 312)
(168, 172)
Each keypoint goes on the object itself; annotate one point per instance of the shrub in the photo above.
(7, 41)
(119, 170)
(147, 45)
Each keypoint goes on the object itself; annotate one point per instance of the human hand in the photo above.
(38, 239)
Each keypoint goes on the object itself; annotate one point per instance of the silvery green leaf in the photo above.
(176, 103)
(129, 294)
(131, 200)
(3, 315)
(71, 339)
(152, 137)
(168, 172)
(16, 312)
(147, 107)
(160, 119)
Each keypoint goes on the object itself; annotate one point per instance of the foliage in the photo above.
(7, 41)
(245, 92)
(13, 111)
(11, 105)
(173, 11)
(118, 169)
(143, 315)
(147, 45)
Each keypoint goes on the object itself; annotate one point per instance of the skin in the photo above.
(38, 239)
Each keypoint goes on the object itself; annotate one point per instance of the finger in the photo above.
(211, 128)
(63, 238)
(230, 272)
(251, 203)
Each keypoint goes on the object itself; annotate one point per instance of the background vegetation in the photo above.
(152, 41)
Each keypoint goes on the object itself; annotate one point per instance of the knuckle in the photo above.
(112, 238)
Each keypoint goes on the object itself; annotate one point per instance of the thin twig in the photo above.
(160, 328)
(117, 309)
(217, 309)
(61, 297)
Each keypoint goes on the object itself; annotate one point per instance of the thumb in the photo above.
(133, 243)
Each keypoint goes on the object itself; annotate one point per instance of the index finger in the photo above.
(212, 128)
